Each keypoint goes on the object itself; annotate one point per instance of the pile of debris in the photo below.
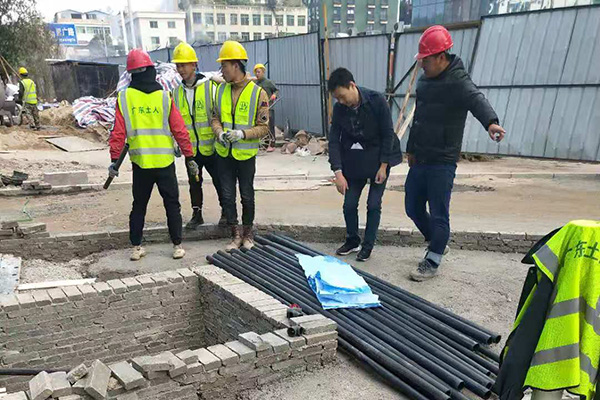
(16, 179)
(15, 230)
(305, 144)
(58, 116)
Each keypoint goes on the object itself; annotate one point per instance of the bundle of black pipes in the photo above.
(423, 350)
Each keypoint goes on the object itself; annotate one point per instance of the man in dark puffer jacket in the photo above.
(444, 96)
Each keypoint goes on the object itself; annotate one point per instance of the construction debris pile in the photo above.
(304, 144)
(58, 116)
(16, 179)
(423, 350)
(15, 230)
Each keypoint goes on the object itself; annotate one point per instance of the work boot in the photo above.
(196, 220)
(236, 239)
(425, 270)
(248, 237)
(137, 253)
(178, 251)
(223, 219)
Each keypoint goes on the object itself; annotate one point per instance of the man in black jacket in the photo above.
(362, 148)
(444, 96)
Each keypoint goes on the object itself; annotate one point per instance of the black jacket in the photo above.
(371, 127)
(442, 104)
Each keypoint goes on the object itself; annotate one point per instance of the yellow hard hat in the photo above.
(257, 66)
(232, 50)
(23, 71)
(184, 53)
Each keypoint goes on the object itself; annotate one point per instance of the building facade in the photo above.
(352, 16)
(216, 23)
(88, 25)
(155, 29)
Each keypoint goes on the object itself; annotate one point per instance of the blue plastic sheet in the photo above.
(336, 284)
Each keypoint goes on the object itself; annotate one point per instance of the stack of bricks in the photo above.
(15, 230)
(36, 186)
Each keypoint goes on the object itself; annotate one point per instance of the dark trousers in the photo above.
(196, 193)
(143, 183)
(351, 199)
(231, 172)
(430, 184)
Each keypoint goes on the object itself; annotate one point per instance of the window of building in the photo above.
(384, 3)
(301, 20)
(268, 35)
(336, 28)
(107, 31)
(370, 14)
(233, 19)
(245, 36)
(234, 36)
(210, 19)
(154, 24)
(369, 28)
(370, 3)
(81, 29)
(171, 25)
(256, 19)
(245, 19)
(91, 16)
(279, 20)
(256, 36)
(197, 18)
(350, 15)
(337, 14)
(211, 36)
(222, 36)
(76, 16)
(268, 19)
(383, 14)
(220, 19)
(337, 3)
(155, 41)
(290, 20)
(350, 3)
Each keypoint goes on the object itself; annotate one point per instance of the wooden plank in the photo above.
(10, 270)
(407, 121)
(406, 99)
(74, 144)
(54, 284)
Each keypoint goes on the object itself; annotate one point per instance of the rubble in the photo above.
(305, 144)
(14, 230)
(58, 116)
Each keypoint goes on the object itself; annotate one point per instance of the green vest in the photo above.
(147, 122)
(243, 118)
(29, 95)
(568, 350)
(197, 121)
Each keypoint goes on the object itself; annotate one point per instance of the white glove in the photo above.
(223, 137)
(235, 136)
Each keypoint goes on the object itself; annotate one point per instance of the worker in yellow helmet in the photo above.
(27, 97)
(240, 120)
(195, 100)
(260, 72)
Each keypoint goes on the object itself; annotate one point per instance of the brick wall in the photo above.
(173, 310)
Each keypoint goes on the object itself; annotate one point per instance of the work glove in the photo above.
(235, 136)
(193, 169)
(113, 172)
(223, 137)
(177, 150)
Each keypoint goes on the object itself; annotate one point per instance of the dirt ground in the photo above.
(483, 287)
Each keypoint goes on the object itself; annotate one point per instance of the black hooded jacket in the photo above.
(145, 81)
(442, 104)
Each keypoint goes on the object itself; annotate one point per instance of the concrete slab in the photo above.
(74, 144)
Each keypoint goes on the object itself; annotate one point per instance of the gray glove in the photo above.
(235, 136)
(113, 172)
(223, 137)
(193, 169)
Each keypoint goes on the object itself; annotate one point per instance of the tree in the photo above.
(97, 46)
(25, 40)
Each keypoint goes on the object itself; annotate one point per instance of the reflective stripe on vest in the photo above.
(197, 121)
(243, 118)
(568, 350)
(147, 122)
(29, 91)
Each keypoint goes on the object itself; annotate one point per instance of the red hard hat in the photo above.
(138, 58)
(434, 40)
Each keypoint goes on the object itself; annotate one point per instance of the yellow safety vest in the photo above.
(197, 121)
(147, 122)
(29, 95)
(568, 351)
(243, 118)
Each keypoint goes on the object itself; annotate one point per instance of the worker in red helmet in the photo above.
(148, 121)
(445, 93)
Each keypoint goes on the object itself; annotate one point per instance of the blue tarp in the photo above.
(336, 284)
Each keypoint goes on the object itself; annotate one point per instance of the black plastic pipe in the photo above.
(27, 372)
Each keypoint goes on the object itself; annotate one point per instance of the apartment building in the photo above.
(156, 29)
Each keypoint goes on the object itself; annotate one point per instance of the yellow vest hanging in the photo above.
(568, 351)
(243, 118)
(29, 92)
(197, 121)
(147, 121)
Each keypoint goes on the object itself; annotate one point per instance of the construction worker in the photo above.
(240, 120)
(27, 97)
(260, 72)
(362, 148)
(198, 91)
(555, 342)
(147, 119)
(445, 93)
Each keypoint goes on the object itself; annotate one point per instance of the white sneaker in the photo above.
(178, 252)
(137, 253)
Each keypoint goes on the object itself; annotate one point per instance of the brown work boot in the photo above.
(248, 237)
(236, 239)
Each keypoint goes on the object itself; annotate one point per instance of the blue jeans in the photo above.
(355, 188)
(432, 185)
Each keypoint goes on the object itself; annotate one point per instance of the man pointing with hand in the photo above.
(362, 148)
